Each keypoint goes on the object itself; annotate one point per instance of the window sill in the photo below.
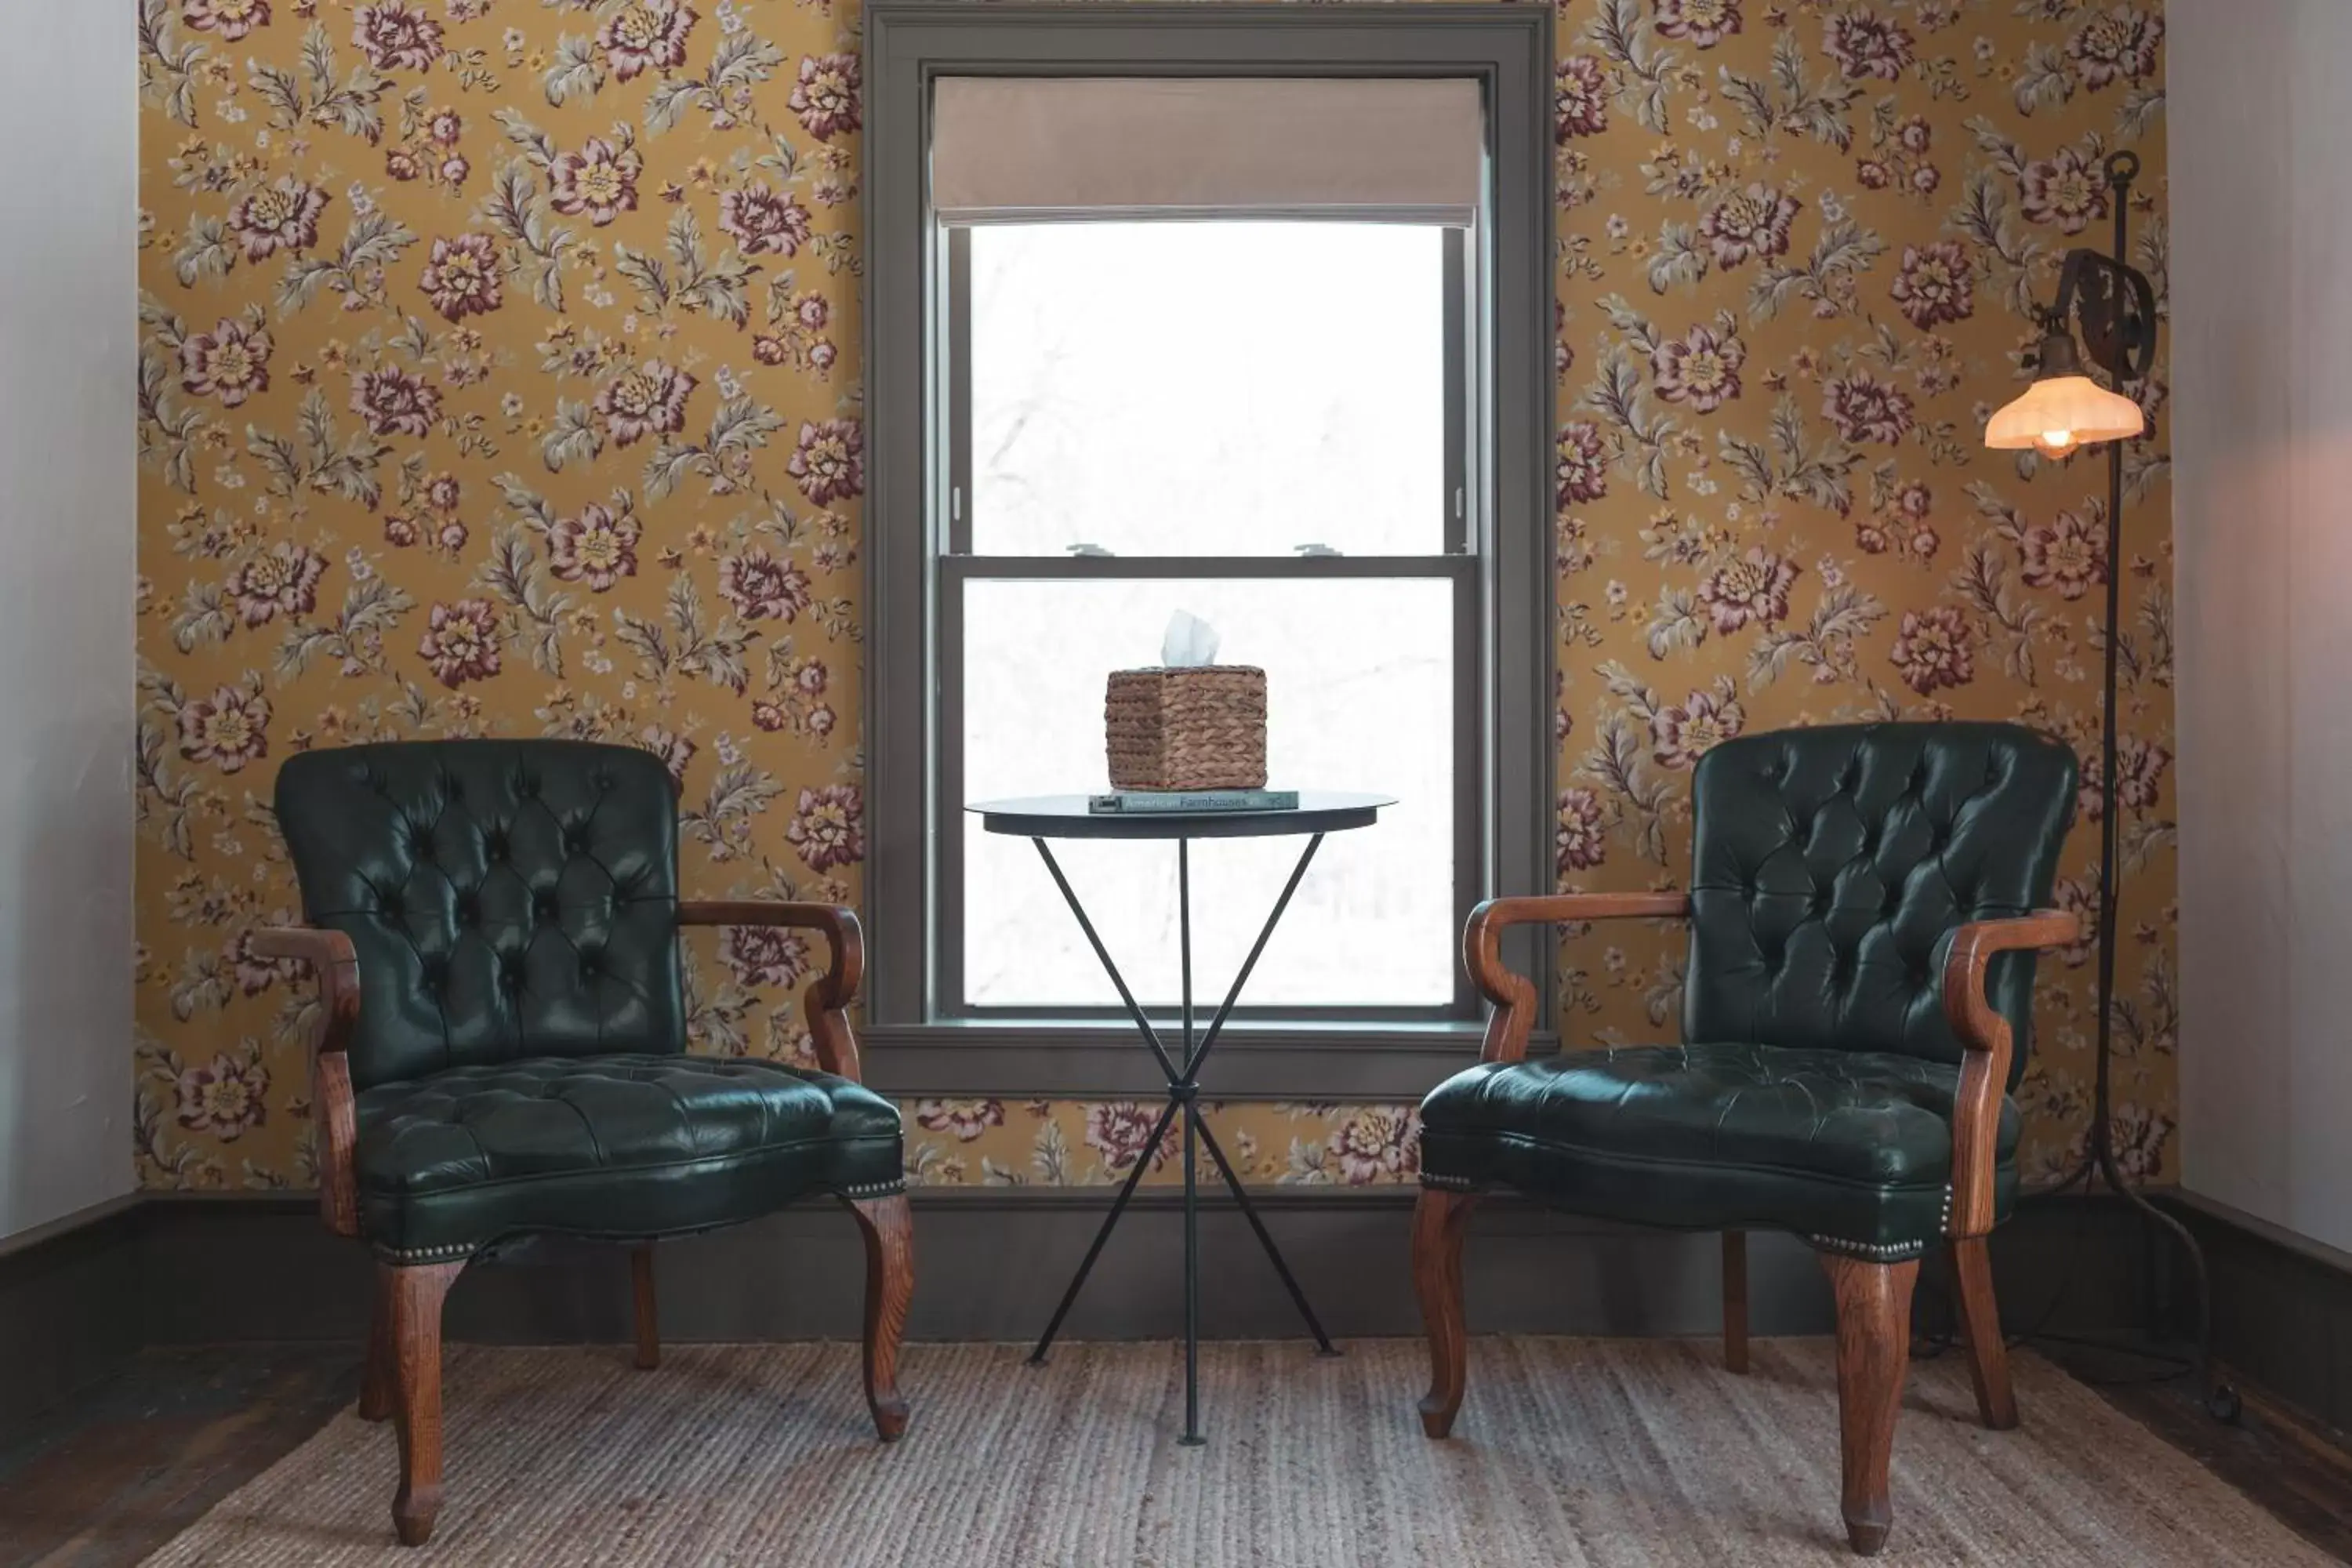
(1057, 1060)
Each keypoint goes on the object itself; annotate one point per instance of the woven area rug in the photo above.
(1568, 1452)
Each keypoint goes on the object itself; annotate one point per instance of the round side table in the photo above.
(1039, 818)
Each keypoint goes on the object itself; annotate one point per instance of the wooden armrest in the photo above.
(1514, 995)
(827, 1002)
(313, 946)
(329, 954)
(1985, 1035)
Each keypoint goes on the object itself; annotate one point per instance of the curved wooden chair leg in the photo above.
(1440, 1221)
(641, 1282)
(411, 1300)
(1981, 1324)
(1735, 1300)
(890, 1286)
(1874, 1351)
(379, 1385)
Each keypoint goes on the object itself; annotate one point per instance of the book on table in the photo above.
(1141, 803)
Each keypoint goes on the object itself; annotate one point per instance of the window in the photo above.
(1258, 423)
(1165, 363)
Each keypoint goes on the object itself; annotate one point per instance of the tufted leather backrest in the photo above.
(1831, 866)
(506, 898)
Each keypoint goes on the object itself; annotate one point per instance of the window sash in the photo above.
(952, 822)
(1463, 317)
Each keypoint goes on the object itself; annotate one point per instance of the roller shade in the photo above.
(1074, 146)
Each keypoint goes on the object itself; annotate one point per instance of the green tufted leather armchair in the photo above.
(1863, 905)
(501, 1048)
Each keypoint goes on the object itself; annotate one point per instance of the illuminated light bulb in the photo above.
(2063, 410)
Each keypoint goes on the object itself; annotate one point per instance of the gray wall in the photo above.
(67, 563)
(2260, 145)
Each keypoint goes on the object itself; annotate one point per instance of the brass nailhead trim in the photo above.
(467, 1249)
(1889, 1252)
(428, 1254)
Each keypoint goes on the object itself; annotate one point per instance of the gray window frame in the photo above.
(925, 1041)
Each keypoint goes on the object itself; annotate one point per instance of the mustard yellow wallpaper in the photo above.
(500, 373)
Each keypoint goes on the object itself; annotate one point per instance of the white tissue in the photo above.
(1190, 641)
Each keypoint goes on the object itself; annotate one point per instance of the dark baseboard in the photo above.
(1063, 1061)
(70, 1308)
(990, 1266)
(2282, 1308)
(991, 1263)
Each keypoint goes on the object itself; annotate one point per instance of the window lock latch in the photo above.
(1315, 551)
(1086, 550)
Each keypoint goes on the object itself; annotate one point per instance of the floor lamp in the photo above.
(2113, 306)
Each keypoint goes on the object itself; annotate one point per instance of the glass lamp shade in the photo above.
(2060, 412)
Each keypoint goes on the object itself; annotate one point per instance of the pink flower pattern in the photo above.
(461, 642)
(463, 278)
(280, 215)
(646, 35)
(231, 363)
(763, 222)
(395, 35)
(827, 97)
(598, 181)
(649, 400)
(1580, 98)
(1703, 23)
(828, 462)
(598, 547)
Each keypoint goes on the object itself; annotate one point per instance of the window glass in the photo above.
(1360, 676)
(1208, 388)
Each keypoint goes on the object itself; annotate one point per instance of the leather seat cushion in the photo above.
(1854, 1146)
(623, 1145)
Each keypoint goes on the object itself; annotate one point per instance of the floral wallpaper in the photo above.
(498, 373)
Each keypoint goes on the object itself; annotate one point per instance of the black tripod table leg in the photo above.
(1193, 1128)
(1249, 1211)
(1110, 1220)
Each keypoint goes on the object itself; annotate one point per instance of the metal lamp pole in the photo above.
(2113, 304)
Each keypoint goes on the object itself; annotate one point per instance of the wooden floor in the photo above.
(128, 1464)
(2301, 1476)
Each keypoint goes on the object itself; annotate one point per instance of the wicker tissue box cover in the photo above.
(1198, 727)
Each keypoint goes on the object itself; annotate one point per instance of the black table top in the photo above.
(1066, 817)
